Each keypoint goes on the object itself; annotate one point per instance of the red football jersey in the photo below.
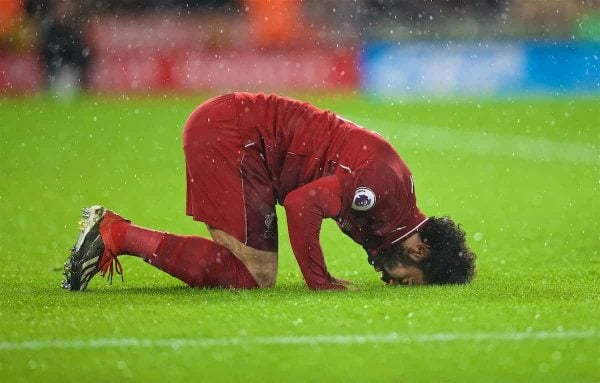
(303, 145)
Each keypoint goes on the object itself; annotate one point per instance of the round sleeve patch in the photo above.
(364, 199)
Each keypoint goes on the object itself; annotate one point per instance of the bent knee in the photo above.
(266, 279)
(261, 264)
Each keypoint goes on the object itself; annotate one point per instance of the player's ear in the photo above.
(418, 252)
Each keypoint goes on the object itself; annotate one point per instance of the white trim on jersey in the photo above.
(410, 232)
(346, 168)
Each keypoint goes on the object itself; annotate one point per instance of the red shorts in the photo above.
(228, 185)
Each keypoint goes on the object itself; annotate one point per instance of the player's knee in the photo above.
(261, 264)
(267, 278)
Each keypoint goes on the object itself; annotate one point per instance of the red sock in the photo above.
(197, 261)
(200, 262)
(134, 240)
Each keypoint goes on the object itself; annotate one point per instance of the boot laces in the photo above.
(111, 265)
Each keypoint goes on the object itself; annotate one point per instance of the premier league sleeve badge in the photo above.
(364, 199)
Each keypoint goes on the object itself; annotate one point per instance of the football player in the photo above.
(245, 153)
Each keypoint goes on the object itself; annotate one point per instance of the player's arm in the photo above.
(305, 208)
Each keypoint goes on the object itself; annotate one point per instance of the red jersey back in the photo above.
(302, 143)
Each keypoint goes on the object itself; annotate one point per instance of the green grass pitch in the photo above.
(521, 175)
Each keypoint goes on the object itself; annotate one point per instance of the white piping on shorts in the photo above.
(244, 201)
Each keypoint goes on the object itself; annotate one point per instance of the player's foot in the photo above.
(91, 254)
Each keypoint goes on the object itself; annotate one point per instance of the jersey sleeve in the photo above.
(305, 208)
(373, 194)
(382, 197)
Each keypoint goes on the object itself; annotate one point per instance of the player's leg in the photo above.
(258, 251)
(261, 264)
(229, 189)
(197, 261)
(213, 149)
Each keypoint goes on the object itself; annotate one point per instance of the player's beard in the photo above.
(391, 258)
(385, 277)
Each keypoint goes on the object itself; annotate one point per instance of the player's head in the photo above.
(437, 254)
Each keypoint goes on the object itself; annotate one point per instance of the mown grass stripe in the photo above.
(293, 340)
(507, 145)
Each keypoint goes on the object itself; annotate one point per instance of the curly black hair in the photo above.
(450, 260)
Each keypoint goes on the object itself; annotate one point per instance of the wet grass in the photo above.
(533, 223)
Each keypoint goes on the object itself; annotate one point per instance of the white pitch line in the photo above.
(176, 343)
(538, 149)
